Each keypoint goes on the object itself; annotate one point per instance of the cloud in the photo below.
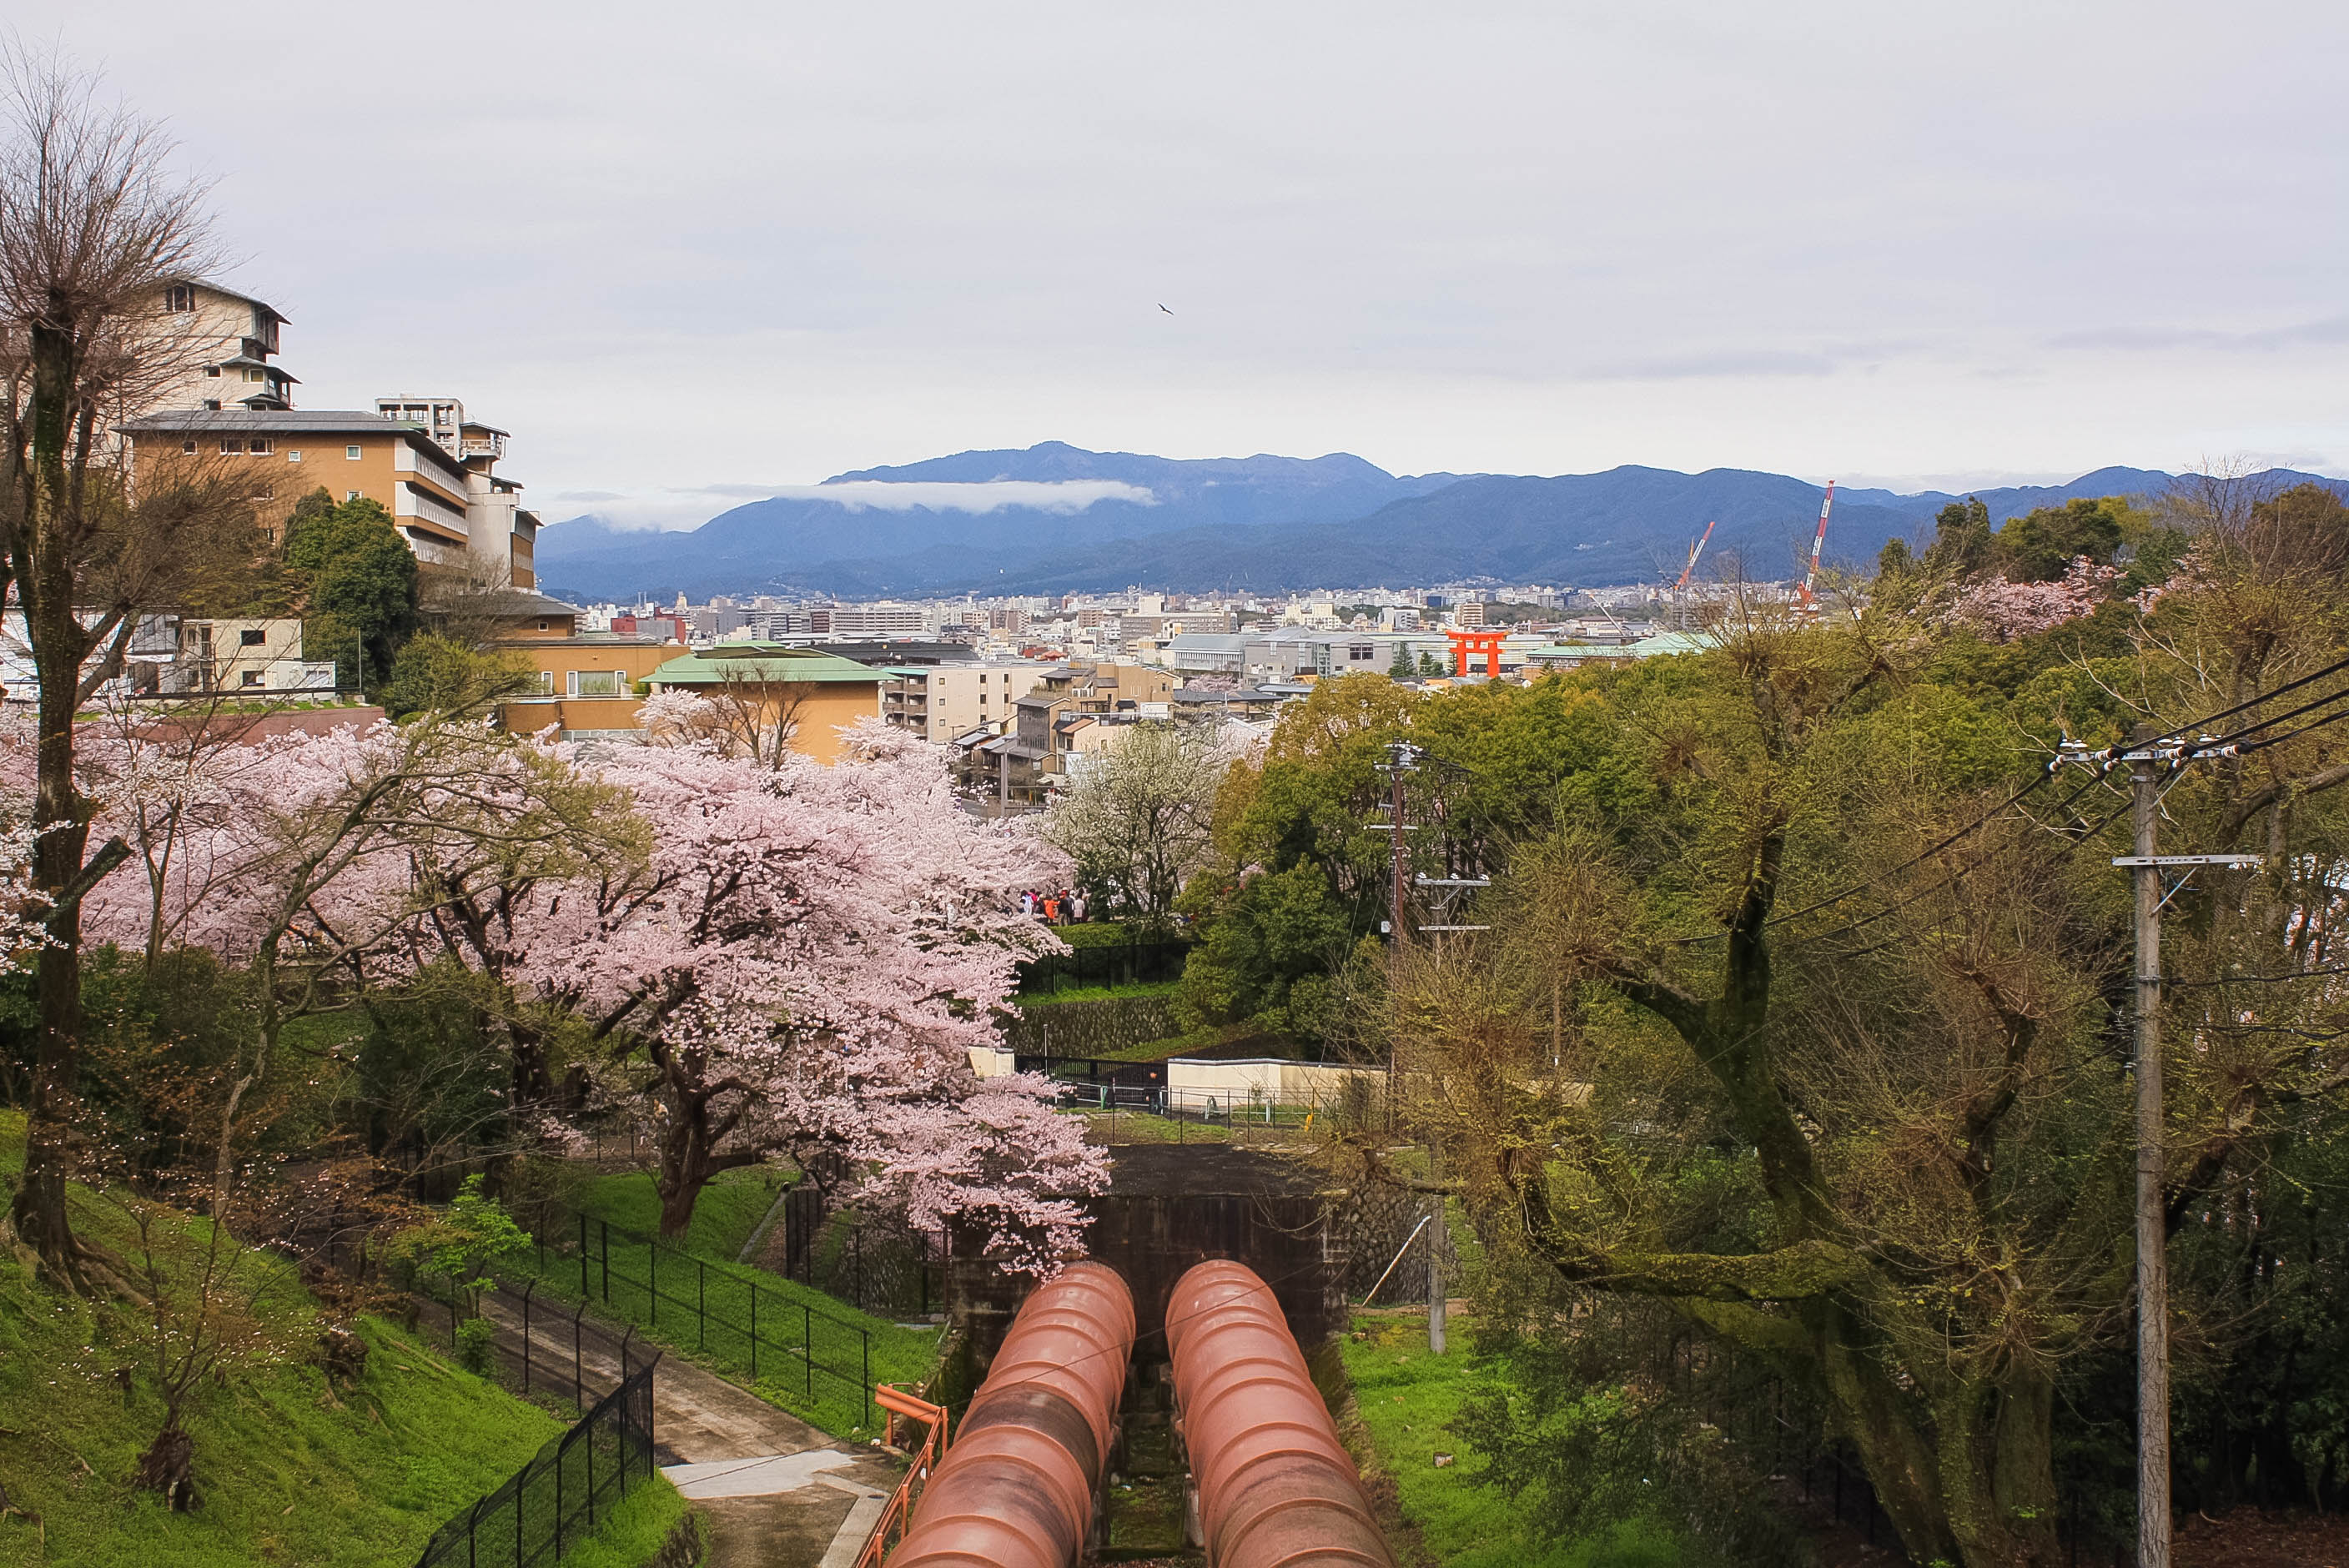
(946, 495)
(676, 508)
(2328, 331)
(1733, 362)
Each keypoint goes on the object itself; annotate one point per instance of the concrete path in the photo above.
(774, 1491)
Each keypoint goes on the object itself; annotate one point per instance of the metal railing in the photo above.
(890, 1528)
(739, 1322)
(555, 1502)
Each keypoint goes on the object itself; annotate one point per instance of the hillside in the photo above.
(1262, 523)
(288, 1470)
(921, 527)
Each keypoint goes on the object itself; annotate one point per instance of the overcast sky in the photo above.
(682, 249)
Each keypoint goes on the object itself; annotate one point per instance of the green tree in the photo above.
(464, 1243)
(360, 582)
(2041, 546)
(1401, 669)
(436, 673)
(1961, 543)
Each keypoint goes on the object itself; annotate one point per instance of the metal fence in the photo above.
(713, 1307)
(554, 1502)
(1118, 964)
(875, 1264)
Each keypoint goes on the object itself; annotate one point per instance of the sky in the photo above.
(693, 252)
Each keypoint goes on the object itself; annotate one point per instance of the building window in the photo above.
(252, 677)
(251, 637)
(1362, 652)
(595, 683)
(180, 296)
(230, 446)
(546, 683)
(260, 445)
(188, 447)
(212, 370)
(293, 456)
(212, 405)
(350, 495)
(352, 453)
(251, 374)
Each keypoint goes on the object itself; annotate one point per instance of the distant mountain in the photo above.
(1261, 523)
(807, 542)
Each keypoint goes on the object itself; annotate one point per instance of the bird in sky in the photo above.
(1168, 312)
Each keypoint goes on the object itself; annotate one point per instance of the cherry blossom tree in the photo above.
(309, 858)
(2004, 610)
(802, 963)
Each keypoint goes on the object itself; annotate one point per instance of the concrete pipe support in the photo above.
(1017, 1485)
(1274, 1486)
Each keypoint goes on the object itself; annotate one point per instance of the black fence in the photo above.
(875, 1265)
(1120, 964)
(712, 1307)
(555, 1502)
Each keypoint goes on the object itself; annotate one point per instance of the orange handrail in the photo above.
(891, 1526)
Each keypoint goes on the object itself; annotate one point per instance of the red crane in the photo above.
(1695, 550)
(1818, 541)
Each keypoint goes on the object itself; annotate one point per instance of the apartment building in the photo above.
(939, 702)
(501, 540)
(456, 513)
(227, 343)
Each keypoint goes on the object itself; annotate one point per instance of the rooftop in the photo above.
(759, 664)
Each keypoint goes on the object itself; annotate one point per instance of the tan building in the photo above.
(811, 693)
(460, 517)
(1072, 712)
(939, 702)
(590, 684)
(227, 341)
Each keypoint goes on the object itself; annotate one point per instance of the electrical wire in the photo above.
(2250, 702)
(2108, 754)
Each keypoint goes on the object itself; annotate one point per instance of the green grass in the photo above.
(1105, 933)
(1098, 993)
(630, 1535)
(1140, 1126)
(287, 1470)
(1408, 1398)
(830, 1394)
(727, 1212)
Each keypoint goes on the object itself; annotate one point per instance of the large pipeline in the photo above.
(1274, 1488)
(1016, 1488)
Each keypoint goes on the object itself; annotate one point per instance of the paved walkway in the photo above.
(774, 1491)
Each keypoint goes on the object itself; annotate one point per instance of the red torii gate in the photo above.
(1466, 645)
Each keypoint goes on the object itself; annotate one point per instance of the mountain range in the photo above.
(1059, 518)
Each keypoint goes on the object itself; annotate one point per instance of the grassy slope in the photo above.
(286, 1470)
(1408, 1398)
(834, 1397)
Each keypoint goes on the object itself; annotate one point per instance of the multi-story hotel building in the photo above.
(460, 517)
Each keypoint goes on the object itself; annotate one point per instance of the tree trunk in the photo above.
(169, 1466)
(45, 584)
(686, 1164)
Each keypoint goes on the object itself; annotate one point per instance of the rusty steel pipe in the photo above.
(1016, 1485)
(1275, 1486)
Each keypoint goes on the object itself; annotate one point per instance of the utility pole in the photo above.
(2152, 1220)
(1436, 1304)
(1403, 758)
(2148, 754)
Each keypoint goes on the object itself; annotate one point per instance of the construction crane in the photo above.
(1809, 602)
(1680, 589)
(1695, 550)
